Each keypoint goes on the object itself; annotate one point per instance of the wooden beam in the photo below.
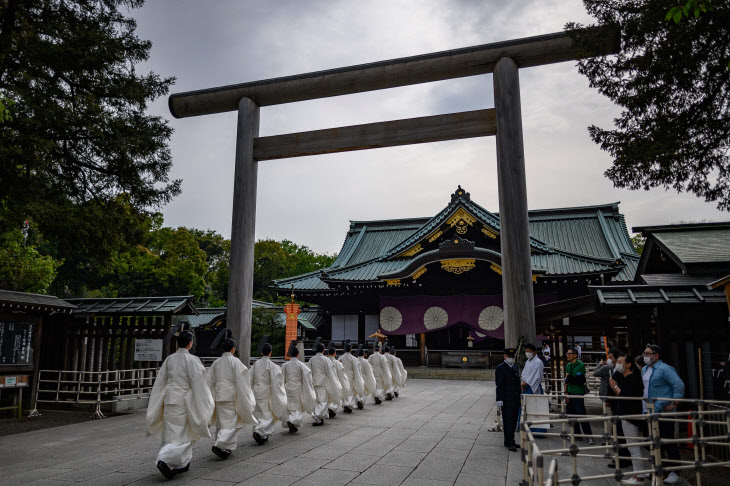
(456, 63)
(377, 135)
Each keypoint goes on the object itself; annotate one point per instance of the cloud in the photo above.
(311, 200)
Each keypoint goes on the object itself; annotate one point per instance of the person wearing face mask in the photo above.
(626, 382)
(507, 378)
(532, 372)
(604, 371)
(662, 381)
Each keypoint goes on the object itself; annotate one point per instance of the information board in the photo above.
(16, 342)
(148, 349)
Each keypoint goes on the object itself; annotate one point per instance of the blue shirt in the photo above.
(663, 383)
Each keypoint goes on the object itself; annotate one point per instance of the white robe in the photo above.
(268, 389)
(381, 371)
(300, 397)
(394, 370)
(368, 377)
(325, 382)
(342, 378)
(180, 407)
(403, 372)
(354, 377)
(230, 385)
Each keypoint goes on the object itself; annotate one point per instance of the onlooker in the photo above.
(639, 362)
(626, 382)
(662, 381)
(604, 370)
(532, 372)
(578, 350)
(575, 385)
(546, 351)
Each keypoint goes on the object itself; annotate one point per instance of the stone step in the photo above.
(450, 374)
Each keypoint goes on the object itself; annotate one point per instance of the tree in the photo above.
(638, 241)
(672, 80)
(22, 268)
(79, 147)
(268, 322)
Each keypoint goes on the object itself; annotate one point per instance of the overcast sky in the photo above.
(310, 200)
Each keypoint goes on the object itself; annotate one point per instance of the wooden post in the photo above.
(240, 282)
(423, 349)
(519, 305)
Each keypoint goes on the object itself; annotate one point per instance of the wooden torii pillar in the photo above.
(504, 120)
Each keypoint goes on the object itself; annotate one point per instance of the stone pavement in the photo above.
(435, 434)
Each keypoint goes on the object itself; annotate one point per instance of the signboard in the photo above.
(16, 342)
(13, 381)
(148, 349)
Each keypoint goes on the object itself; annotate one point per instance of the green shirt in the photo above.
(576, 369)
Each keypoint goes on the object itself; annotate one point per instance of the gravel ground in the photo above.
(47, 420)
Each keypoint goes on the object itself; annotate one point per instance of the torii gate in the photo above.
(504, 120)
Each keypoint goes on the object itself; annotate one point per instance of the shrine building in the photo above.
(436, 283)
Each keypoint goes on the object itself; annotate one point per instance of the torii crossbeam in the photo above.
(504, 120)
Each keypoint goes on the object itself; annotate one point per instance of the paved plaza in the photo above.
(435, 434)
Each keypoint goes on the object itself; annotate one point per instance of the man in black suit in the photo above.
(507, 377)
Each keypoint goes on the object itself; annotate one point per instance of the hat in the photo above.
(392, 350)
(224, 334)
(347, 346)
(316, 343)
(331, 347)
(264, 342)
(176, 330)
(510, 351)
(292, 347)
(360, 351)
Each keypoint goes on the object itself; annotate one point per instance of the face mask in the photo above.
(609, 361)
(647, 360)
(529, 355)
(510, 361)
(619, 367)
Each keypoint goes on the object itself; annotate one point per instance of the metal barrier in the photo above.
(93, 387)
(710, 440)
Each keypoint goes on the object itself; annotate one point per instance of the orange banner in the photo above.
(292, 311)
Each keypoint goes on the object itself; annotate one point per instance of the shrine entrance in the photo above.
(504, 121)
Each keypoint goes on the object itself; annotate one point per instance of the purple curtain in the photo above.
(482, 315)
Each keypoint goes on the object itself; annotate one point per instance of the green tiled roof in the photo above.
(567, 241)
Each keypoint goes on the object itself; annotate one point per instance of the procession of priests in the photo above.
(186, 398)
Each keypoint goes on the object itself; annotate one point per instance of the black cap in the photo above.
(331, 348)
(360, 350)
(225, 333)
(264, 341)
(510, 351)
(292, 347)
(392, 350)
(316, 343)
(347, 346)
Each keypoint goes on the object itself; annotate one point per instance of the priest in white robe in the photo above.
(344, 383)
(230, 385)
(368, 377)
(383, 378)
(300, 396)
(325, 382)
(394, 370)
(399, 363)
(267, 382)
(180, 407)
(352, 371)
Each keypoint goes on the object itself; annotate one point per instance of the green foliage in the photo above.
(80, 156)
(274, 260)
(171, 263)
(672, 82)
(267, 322)
(5, 115)
(692, 7)
(22, 268)
(638, 241)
